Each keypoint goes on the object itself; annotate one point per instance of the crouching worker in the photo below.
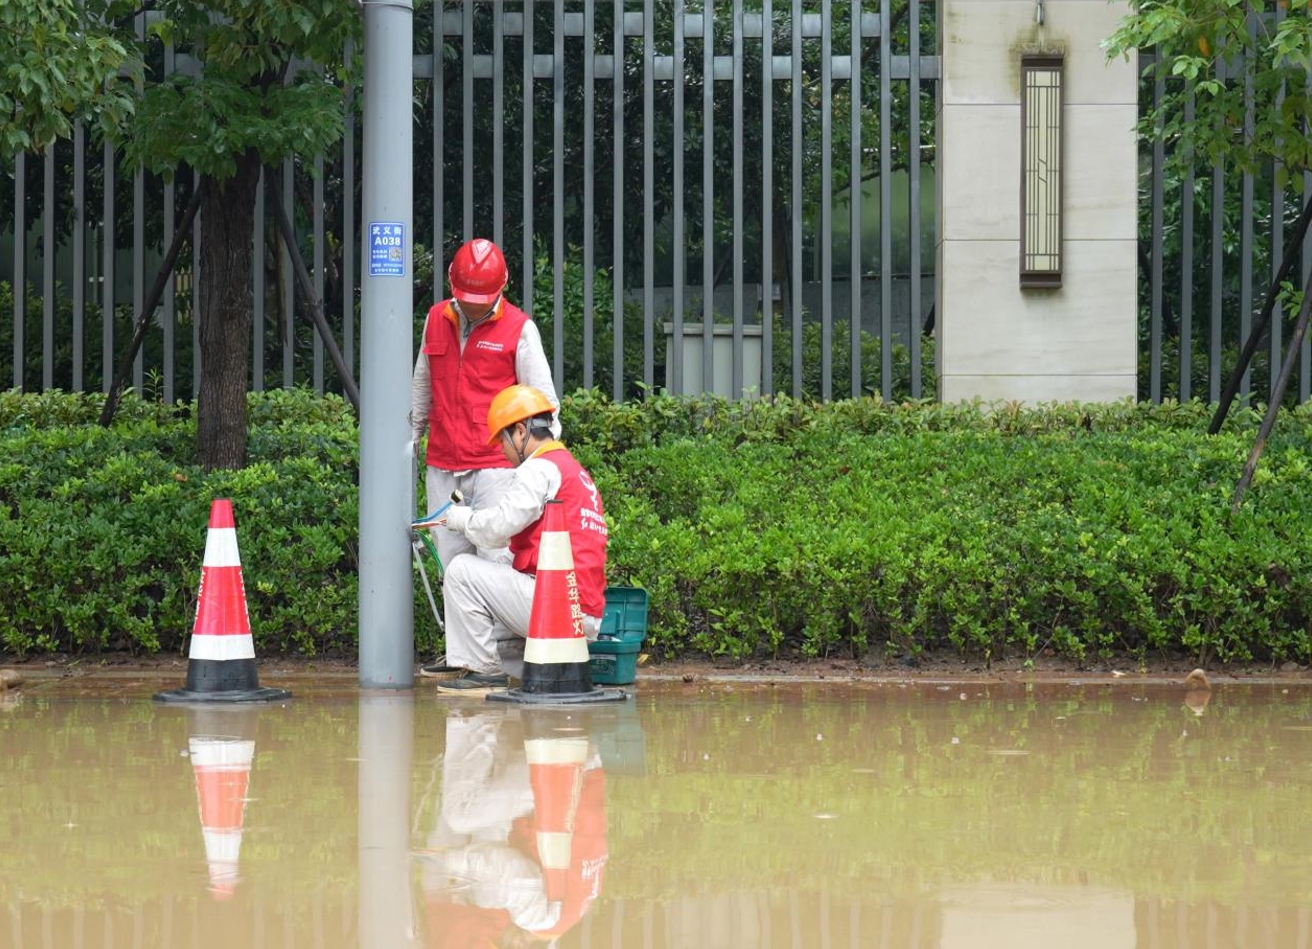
(488, 604)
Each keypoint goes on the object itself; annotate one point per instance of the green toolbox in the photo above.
(613, 658)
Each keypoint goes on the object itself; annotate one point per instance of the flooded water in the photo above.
(710, 815)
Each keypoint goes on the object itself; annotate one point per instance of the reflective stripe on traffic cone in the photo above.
(556, 653)
(555, 772)
(221, 660)
(556, 643)
(222, 768)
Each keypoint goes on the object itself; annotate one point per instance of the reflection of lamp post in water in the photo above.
(386, 752)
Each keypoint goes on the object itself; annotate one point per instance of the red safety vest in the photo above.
(464, 383)
(587, 531)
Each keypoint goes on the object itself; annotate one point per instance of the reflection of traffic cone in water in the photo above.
(221, 662)
(222, 767)
(555, 772)
(568, 832)
(556, 652)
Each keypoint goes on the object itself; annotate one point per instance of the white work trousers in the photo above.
(487, 606)
(482, 488)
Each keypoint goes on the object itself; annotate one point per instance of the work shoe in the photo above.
(475, 683)
(438, 669)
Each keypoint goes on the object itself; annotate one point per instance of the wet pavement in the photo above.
(715, 813)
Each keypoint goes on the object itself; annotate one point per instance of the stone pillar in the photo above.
(997, 341)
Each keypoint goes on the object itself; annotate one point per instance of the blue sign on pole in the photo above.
(386, 249)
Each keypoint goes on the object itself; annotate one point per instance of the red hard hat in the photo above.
(477, 272)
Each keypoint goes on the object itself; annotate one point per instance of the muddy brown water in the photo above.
(716, 814)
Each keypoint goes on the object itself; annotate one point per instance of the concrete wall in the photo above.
(995, 340)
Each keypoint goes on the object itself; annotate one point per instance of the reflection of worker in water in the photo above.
(493, 874)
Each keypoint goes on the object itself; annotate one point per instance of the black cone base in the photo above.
(556, 677)
(557, 683)
(231, 680)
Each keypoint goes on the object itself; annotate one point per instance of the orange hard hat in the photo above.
(514, 404)
(477, 272)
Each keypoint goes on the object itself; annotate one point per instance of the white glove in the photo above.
(457, 517)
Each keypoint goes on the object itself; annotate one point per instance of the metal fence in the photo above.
(1211, 243)
(588, 141)
(626, 155)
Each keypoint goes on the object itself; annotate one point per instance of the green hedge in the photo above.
(771, 527)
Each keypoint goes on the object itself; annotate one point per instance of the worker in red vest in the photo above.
(488, 603)
(474, 345)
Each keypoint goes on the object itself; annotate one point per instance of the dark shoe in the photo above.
(475, 683)
(438, 669)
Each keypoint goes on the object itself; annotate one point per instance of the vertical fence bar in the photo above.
(49, 208)
(318, 227)
(139, 269)
(1214, 367)
(20, 263)
(1277, 255)
(1246, 222)
(915, 320)
(1187, 267)
(1158, 203)
(736, 373)
(767, 198)
(855, 190)
(617, 187)
(257, 289)
(108, 250)
(139, 237)
(79, 252)
(439, 156)
(589, 130)
(558, 189)
(498, 125)
(170, 305)
(527, 196)
(196, 277)
(708, 196)
(1305, 357)
(287, 284)
(795, 212)
(348, 223)
(674, 364)
(648, 198)
(467, 116)
(1277, 250)
(826, 217)
(885, 200)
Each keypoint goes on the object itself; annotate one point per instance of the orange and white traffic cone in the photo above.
(556, 651)
(223, 768)
(221, 662)
(555, 773)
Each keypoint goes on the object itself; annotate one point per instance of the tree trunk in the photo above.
(227, 220)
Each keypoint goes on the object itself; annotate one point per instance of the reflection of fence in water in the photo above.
(1068, 917)
(328, 920)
